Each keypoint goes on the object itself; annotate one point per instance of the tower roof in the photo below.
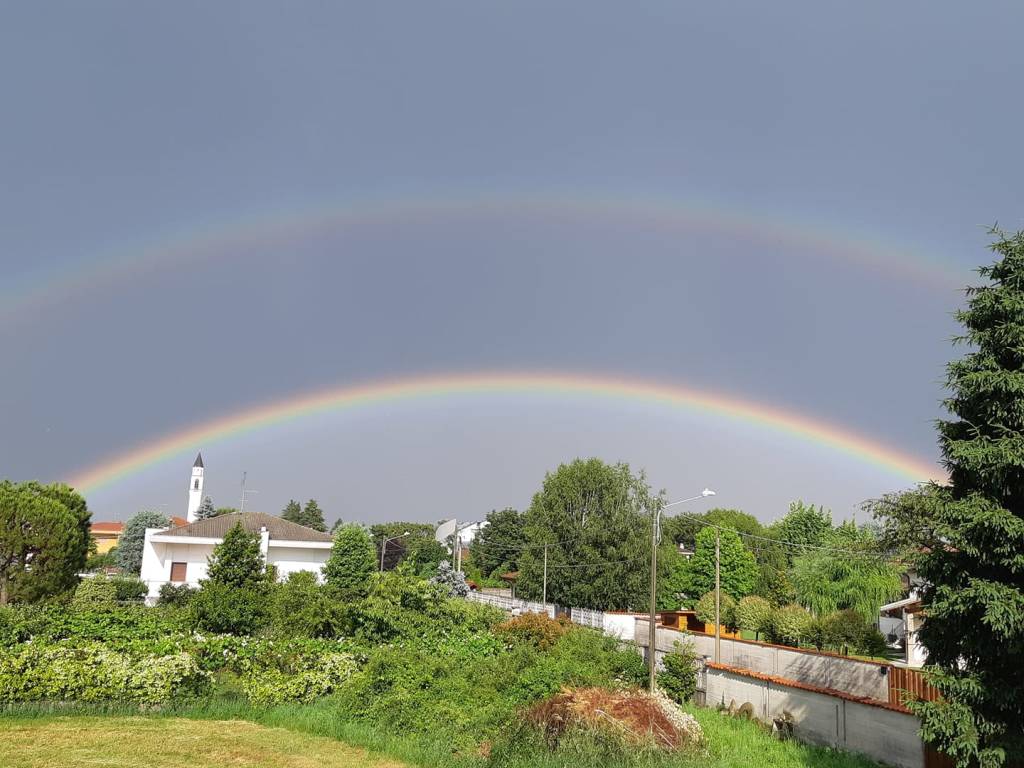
(199, 461)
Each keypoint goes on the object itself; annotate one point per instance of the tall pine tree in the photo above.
(292, 512)
(206, 509)
(967, 536)
(313, 517)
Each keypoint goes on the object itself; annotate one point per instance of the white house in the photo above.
(179, 555)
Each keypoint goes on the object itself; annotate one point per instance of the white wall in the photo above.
(157, 557)
(291, 559)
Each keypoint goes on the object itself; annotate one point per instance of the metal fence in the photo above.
(582, 616)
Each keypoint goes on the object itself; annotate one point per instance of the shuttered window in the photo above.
(178, 572)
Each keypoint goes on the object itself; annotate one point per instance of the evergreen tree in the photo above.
(966, 537)
(312, 517)
(352, 562)
(206, 509)
(292, 512)
(129, 546)
(237, 561)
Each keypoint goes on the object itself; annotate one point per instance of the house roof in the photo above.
(907, 602)
(278, 528)
(105, 527)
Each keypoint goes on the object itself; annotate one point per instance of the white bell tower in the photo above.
(195, 489)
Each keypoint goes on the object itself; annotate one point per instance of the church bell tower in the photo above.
(195, 489)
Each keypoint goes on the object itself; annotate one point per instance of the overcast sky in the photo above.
(791, 194)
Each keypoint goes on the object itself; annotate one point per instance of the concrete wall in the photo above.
(291, 559)
(877, 731)
(859, 678)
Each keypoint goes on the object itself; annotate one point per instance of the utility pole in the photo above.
(545, 598)
(455, 540)
(652, 637)
(718, 597)
(383, 546)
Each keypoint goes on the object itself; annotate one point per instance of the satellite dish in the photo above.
(445, 531)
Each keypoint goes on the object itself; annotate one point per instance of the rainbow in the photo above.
(221, 240)
(423, 388)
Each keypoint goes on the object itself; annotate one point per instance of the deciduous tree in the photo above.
(738, 568)
(496, 547)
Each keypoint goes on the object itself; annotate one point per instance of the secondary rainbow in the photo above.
(423, 388)
(223, 239)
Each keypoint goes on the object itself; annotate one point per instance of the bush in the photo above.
(754, 614)
(678, 679)
(309, 677)
(846, 631)
(178, 595)
(94, 592)
(451, 581)
(353, 560)
(129, 590)
(92, 673)
(228, 610)
(300, 607)
(706, 610)
(537, 629)
(791, 624)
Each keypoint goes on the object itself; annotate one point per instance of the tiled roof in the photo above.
(279, 529)
(106, 527)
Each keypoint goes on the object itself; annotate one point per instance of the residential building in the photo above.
(106, 535)
(179, 555)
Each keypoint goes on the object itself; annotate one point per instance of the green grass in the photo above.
(307, 729)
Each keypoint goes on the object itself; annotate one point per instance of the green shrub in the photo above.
(791, 624)
(537, 629)
(129, 590)
(309, 677)
(94, 592)
(754, 614)
(177, 595)
(678, 679)
(222, 609)
(300, 607)
(92, 673)
(727, 610)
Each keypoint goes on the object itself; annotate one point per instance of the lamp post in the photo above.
(655, 540)
(384, 546)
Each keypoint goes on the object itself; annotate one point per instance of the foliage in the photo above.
(452, 582)
(596, 520)
(423, 555)
(206, 509)
(96, 592)
(304, 679)
(857, 577)
(419, 543)
(237, 561)
(129, 546)
(311, 516)
(791, 624)
(97, 561)
(536, 629)
(705, 610)
(845, 632)
(802, 527)
(44, 540)
(966, 538)
(754, 614)
(129, 590)
(92, 672)
(225, 511)
(738, 568)
(683, 529)
(300, 607)
(678, 679)
(175, 594)
(353, 560)
(495, 548)
(218, 607)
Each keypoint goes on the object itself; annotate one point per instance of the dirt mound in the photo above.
(635, 716)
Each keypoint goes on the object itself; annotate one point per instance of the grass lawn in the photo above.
(141, 742)
(312, 736)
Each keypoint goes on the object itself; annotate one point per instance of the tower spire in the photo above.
(195, 489)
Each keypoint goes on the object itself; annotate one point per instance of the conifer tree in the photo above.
(292, 512)
(966, 537)
(313, 517)
(352, 562)
(206, 509)
(237, 561)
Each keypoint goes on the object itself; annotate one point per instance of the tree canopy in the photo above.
(206, 509)
(352, 562)
(738, 569)
(419, 546)
(44, 540)
(802, 527)
(596, 520)
(966, 537)
(129, 546)
(496, 547)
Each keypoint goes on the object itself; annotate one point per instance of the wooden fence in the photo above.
(912, 683)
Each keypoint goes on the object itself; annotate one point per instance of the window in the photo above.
(195, 485)
(178, 572)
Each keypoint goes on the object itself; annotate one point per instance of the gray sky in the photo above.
(807, 130)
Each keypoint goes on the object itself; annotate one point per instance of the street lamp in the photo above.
(384, 546)
(655, 540)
